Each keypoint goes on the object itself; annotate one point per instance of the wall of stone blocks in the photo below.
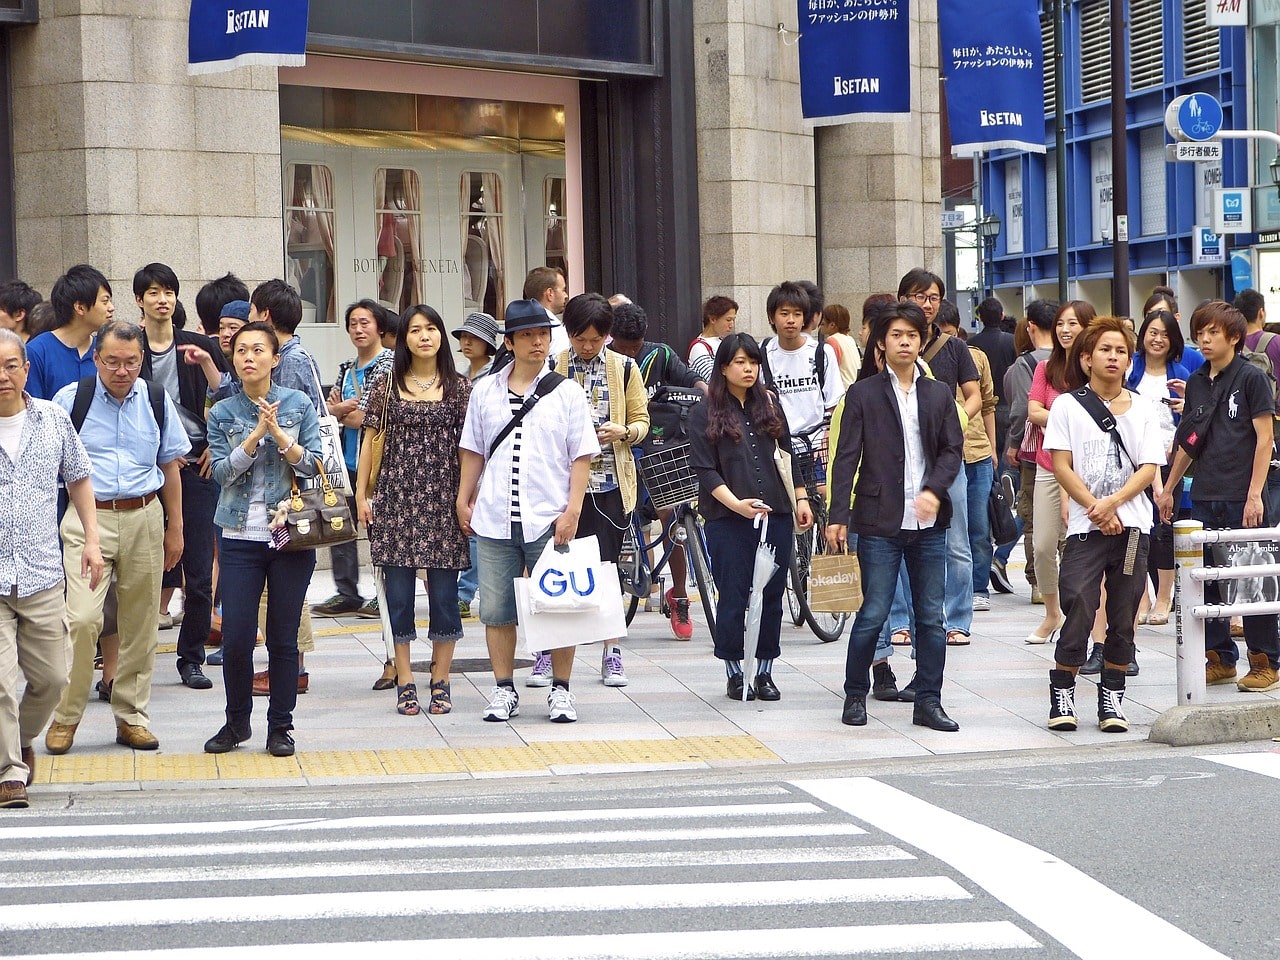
(121, 158)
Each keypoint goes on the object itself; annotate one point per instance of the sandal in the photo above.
(407, 700)
(1158, 619)
(957, 638)
(901, 638)
(388, 678)
(441, 701)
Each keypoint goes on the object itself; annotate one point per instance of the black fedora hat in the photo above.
(525, 315)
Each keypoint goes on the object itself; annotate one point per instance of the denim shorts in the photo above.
(501, 561)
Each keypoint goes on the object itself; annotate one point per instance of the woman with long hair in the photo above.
(733, 436)
(260, 437)
(1159, 374)
(1053, 377)
(409, 511)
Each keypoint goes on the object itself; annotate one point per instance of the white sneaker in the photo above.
(981, 603)
(560, 706)
(611, 667)
(540, 675)
(504, 703)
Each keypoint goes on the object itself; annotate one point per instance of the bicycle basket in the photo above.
(802, 458)
(668, 477)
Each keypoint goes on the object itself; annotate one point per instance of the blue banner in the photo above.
(855, 60)
(225, 34)
(993, 65)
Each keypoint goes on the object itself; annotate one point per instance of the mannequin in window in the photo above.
(304, 226)
(394, 250)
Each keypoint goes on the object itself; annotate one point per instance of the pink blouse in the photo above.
(1046, 393)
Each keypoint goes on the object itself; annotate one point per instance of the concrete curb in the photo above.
(1191, 726)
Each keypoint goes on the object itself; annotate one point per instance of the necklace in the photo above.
(1107, 402)
(424, 387)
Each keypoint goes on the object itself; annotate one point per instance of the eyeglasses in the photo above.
(131, 366)
(923, 298)
(12, 368)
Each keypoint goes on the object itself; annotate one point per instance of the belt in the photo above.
(125, 503)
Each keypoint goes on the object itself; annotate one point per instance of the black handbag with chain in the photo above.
(315, 517)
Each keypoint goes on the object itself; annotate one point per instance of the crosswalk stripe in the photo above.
(1267, 764)
(1088, 918)
(439, 903)
(312, 847)
(745, 942)
(542, 817)
(451, 866)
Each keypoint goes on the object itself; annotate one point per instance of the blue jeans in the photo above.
(1259, 632)
(924, 552)
(469, 580)
(732, 543)
(958, 614)
(442, 604)
(501, 561)
(899, 617)
(246, 568)
(979, 477)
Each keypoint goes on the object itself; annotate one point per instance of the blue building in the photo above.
(1171, 49)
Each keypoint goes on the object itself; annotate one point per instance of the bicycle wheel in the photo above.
(796, 589)
(695, 548)
(827, 627)
(633, 604)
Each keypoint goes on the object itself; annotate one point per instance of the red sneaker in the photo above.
(681, 625)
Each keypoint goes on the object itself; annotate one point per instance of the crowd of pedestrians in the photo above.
(154, 458)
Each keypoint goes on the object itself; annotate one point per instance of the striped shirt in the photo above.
(517, 403)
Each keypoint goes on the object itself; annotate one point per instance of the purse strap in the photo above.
(295, 495)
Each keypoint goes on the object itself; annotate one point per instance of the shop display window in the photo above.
(397, 225)
(483, 246)
(309, 246)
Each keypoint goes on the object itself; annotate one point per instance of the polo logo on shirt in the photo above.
(1233, 404)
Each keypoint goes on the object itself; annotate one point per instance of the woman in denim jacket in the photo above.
(258, 439)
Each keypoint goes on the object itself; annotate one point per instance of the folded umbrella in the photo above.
(762, 573)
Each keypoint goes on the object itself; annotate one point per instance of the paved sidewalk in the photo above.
(673, 715)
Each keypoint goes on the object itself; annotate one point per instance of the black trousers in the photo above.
(1087, 561)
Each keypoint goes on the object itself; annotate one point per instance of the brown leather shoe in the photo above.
(304, 679)
(29, 758)
(59, 737)
(137, 737)
(13, 794)
(262, 684)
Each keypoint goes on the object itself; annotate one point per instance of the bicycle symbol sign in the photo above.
(1196, 116)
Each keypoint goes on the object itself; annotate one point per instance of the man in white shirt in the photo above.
(521, 487)
(547, 286)
(1105, 473)
(807, 384)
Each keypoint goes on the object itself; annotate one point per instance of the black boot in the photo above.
(884, 685)
(1093, 666)
(1062, 700)
(1111, 718)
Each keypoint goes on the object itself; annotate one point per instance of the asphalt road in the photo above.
(1134, 852)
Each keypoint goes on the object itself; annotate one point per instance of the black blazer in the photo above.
(871, 445)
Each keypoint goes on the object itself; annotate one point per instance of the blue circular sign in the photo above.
(1199, 116)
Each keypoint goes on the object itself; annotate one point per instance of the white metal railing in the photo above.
(1190, 610)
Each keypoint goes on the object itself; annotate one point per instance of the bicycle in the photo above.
(667, 483)
(805, 453)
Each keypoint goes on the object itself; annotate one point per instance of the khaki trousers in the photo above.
(33, 645)
(306, 634)
(132, 548)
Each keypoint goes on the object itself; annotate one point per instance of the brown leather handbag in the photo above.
(313, 518)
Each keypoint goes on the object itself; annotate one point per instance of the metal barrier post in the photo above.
(1188, 554)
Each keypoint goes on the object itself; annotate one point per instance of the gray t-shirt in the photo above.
(164, 371)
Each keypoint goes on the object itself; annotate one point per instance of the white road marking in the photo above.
(203, 874)
(426, 821)
(1267, 764)
(1088, 918)
(313, 847)
(440, 903)
(744, 942)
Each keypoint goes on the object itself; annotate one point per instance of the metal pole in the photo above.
(1119, 167)
(979, 245)
(1189, 631)
(1060, 145)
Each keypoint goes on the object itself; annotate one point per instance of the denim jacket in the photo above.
(233, 419)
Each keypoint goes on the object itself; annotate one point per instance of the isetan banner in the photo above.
(855, 60)
(993, 66)
(223, 34)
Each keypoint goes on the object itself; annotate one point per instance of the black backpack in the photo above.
(819, 362)
(669, 408)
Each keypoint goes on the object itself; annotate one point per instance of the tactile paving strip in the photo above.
(402, 762)
(341, 763)
(174, 766)
(498, 759)
(256, 766)
(730, 748)
(577, 752)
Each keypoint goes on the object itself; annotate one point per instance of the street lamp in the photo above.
(1275, 171)
(989, 229)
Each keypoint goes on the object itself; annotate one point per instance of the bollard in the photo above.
(1188, 554)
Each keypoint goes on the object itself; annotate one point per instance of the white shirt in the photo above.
(1096, 460)
(914, 465)
(559, 335)
(11, 433)
(795, 377)
(556, 432)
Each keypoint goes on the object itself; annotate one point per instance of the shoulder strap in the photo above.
(84, 398)
(155, 393)
(820, 360)
(939, 342)
(764, 363)
(628, 366)
(549, 382)
(1103, 417)
(1032, 362)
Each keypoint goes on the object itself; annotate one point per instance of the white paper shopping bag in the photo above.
(567, 579)
(551, 631)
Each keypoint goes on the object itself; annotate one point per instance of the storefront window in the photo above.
(483, 249)
(397, 222)
(309, 248)
(554, 215)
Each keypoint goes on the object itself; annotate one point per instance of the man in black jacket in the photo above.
(172, 358)
(900, 435)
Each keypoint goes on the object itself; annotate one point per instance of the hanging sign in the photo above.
(855, 60)
(225, 34)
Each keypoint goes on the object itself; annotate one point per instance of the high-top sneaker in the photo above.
(1062, 700)
(1111, 718)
